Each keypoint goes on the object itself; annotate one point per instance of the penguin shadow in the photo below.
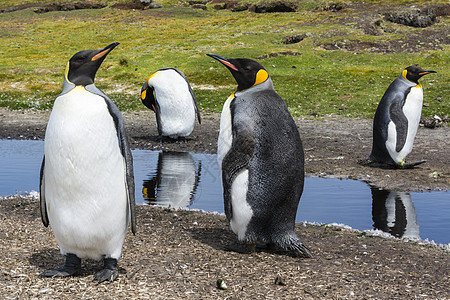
(217, 238)
(223, 239)
(166, 139)
(387, 166)
(51, 258)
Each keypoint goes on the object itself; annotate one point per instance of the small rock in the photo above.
(221, 284)
(279, 281)
(293, 39)
(434, 174)
(415, 17)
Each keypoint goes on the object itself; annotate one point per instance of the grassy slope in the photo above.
(34, 50)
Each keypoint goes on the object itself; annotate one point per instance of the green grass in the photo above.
(34, 50)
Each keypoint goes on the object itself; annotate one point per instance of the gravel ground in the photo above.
(182, 254)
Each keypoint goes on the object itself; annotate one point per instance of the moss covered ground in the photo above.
(340, 67)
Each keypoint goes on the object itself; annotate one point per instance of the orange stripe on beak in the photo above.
(228, 64)
(101, 54)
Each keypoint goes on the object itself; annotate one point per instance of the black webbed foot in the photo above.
(70, 268)
(109, 271)
(411, 165)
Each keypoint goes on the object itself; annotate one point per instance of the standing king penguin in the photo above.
(397, 120)
(168, 93)
(86, 180)
(261, 160)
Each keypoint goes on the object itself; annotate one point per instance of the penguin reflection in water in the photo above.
(87, 184)
(261, 161)
(168, 93)
(397, 120)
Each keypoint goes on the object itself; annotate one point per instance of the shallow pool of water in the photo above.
(192, 180)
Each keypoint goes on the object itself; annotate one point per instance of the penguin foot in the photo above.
(70, 268)
(300, 250)
(389, 165)
(411, 165)
(109, 271)
(377, 164)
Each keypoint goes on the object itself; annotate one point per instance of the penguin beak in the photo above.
(103, 52)
(224, 61)
(425, 72)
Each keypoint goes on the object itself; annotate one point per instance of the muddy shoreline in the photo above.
(333, 146)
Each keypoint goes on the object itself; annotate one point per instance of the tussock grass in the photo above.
(34, 50)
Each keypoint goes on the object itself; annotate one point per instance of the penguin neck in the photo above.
(67, 86)
(265, 85)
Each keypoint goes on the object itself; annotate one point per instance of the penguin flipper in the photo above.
(157, 110)
(197, 111)
(42, 202)
(401, 123)
(237, 158)
(128, 158)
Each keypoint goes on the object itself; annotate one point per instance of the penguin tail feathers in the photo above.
(292, 244)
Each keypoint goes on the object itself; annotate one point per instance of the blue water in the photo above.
(192, 180)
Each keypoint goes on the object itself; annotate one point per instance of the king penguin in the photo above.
(168, 93)
(397, 119)
(86, 178)
(261, 161)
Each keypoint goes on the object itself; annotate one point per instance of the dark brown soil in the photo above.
(333, 146)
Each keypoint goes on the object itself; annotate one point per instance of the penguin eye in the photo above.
(79, 59)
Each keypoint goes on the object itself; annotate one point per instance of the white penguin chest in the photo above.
(226, 132)
(80, 117)
(82, 155)
(413, 107)
(242, 212)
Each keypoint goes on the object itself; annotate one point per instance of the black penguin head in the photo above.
(83, 65)
(148, 94)
(414, 72)
(246, 72)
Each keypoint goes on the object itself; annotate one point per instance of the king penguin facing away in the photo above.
(168, 93)
(397, 120)
(261, 160)
(86, 180)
